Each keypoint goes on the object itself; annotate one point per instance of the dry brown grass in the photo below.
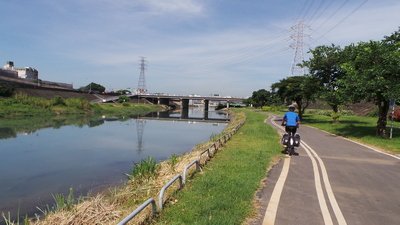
(113, 205)
(95, 210)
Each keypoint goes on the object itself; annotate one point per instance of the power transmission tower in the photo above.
(142, 82)
(298, 46)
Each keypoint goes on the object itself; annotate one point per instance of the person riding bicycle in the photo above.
(291, 121)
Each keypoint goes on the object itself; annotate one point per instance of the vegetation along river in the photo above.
(48, 156)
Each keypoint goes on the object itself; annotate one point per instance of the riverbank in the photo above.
(23, 106)
(122, 199)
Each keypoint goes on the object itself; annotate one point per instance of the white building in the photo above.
(28, 73)
(24, 73)
(9, 65)
(8, 70)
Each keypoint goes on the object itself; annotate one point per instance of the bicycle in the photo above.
(291, 140)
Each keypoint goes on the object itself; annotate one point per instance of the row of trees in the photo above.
(363, 71)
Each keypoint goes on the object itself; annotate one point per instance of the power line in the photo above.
(321, 3)
(344, 18)
(333, 14)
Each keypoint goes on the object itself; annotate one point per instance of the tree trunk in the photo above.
(335, 108)
(383, 107)
(300, 108)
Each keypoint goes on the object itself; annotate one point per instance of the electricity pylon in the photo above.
(298, 46)
(142, 82)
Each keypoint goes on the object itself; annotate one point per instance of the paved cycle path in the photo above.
(332, 181)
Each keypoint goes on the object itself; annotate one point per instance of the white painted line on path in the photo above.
(320, 194)
(270, 213)
(318, 185)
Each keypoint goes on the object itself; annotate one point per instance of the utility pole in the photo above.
(142, 82)
(298, 46)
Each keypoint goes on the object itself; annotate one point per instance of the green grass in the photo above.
(25, 106)
(357, 128)
(145, 169)
(224, 192)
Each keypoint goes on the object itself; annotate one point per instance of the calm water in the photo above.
(91, 155)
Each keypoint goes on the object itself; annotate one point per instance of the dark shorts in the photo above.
(291, 129)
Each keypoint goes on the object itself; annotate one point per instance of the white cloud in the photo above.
(180, 6)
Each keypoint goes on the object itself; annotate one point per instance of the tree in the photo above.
(93, 88)
(300, 89)
(324, 65)
(373, 73)
(6, 91)
(123, 92)
(262, 97)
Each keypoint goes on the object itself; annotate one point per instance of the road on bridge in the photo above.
(332, 181)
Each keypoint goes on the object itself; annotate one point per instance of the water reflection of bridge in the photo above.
(174, 116)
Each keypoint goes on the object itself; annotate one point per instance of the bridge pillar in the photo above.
(206, 105)
(185, 109)
(227, 105)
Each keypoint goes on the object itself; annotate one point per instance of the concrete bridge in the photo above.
(167, 99)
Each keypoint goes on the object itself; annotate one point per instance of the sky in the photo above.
(226, 47)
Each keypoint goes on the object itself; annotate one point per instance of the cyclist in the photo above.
(291, 121)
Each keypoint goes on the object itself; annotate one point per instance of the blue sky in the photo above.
(230, 47)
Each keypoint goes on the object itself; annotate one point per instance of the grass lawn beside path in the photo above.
(223, 193)
(357, 128)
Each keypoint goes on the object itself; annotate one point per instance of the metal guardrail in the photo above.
(182, 179)
(194, 162)
(166, 186)
(209, 155)
(139, 209)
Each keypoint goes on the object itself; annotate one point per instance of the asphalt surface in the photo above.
(342, 183)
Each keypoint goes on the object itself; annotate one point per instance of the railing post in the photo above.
(138, 210)
(187, 167)
(163, 189)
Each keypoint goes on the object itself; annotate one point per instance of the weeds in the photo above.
(173, 160)
(213, 137)
(146, 169)
(9, 221)
(58, 101)
(64, 202)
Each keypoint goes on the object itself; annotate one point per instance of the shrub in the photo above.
(123, 98)
(6, 91)
(330, 112)
(145, 169)
(272, 108)
(58, 101)
(78, 103)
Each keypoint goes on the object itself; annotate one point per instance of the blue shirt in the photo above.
(291, 119)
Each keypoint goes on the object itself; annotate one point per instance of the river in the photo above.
(38, 160)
